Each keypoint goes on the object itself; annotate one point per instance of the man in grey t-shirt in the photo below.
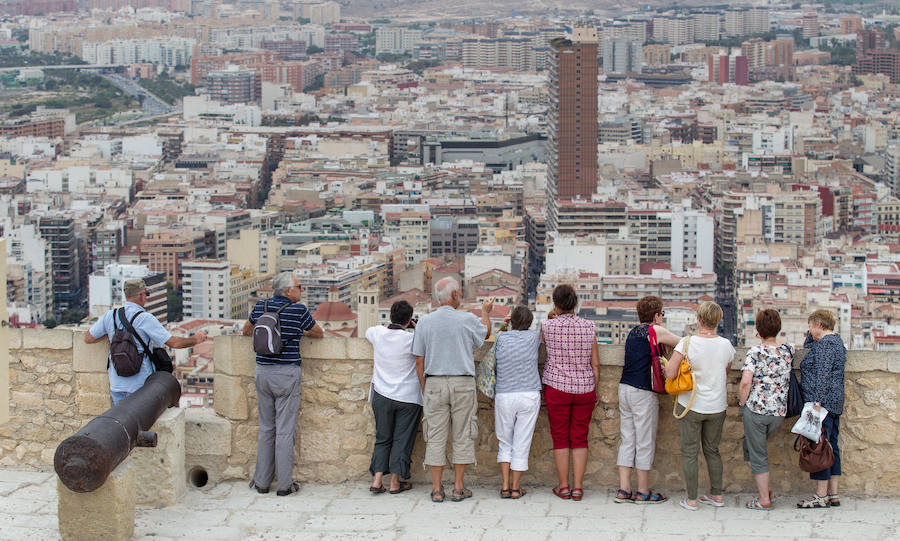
(443, 345)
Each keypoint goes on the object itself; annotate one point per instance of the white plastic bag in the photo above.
(809, 424)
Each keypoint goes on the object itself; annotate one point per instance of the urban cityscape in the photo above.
(742, 154)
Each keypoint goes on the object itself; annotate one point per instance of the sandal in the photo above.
(460, 494)
(404, 486)
(259, 490)
(754, 504)
(813, 502)
(577, 494)
(624, 497)
(520, 491)
(706, 500)
(377, 490)
(684, 504)
(650, 497)
(834, 500)
(437, 496)
(505, 493)
(562, 492)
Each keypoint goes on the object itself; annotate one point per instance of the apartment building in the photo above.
(165, 251)
(233, 85)
(396, 40)
(572, 120)
(217, 289)
(105, 289)
(621, 55)
(67, 250)
(412, 229)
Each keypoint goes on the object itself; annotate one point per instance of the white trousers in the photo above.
(515, 415)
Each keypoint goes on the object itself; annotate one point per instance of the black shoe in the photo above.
(294, 488)
(258, 489)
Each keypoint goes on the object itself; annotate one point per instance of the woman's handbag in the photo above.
(486, 380)
(794, 396)
(683, 382)
(657, 362)
(814, 457)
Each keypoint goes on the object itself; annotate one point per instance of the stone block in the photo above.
(612, 355)
(26, 400)
(893, 365)
(866, 361)
(160, 469)
(92, 403)
(46, 339)
(92, 383)
(205, 433)
(106, 513)
(359, 349)
(89, 357)
(324, 349)
(15, 338)
(234, 355)
(229, 397)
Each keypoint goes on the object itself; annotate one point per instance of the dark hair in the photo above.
(521, 318)
(648, 307)
(401, 312)
(564, 297)
(768, 323)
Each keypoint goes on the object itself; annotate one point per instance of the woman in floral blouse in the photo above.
(763, 399)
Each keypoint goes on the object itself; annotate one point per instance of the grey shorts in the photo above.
(757, 430)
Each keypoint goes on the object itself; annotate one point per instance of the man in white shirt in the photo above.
(396, 399)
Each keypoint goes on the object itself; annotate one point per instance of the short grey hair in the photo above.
(444, 289)
(283, 281)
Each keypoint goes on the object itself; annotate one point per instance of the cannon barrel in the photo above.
(84, 460)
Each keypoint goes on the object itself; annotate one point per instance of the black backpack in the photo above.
(123, 342)
(123, 351)
(267, 331)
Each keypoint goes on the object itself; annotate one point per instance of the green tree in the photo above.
(50, 323)
(174, 304)
(312, 49)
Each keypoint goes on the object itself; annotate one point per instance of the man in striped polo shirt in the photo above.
(278, 386)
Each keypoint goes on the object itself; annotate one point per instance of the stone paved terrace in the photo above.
(231, 511)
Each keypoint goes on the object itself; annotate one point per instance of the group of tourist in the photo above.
(429, 374)
(434, 368)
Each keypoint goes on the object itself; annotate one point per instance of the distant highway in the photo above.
(65, 66)
(151, 104)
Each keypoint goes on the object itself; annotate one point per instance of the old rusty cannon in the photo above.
(84, 461)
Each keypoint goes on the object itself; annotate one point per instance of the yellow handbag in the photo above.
(683, 382)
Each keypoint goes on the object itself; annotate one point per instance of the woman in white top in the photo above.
(709, 356)
(396, 400)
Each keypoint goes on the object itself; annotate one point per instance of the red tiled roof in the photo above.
(333, 311)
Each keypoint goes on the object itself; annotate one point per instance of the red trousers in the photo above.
(570, 417)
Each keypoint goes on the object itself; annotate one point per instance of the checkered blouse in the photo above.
(569, 340)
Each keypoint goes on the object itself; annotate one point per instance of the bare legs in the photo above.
(510, 480)
(643, 480)
(378, 479)
(579, 466)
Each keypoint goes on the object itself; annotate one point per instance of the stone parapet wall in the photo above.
(58, 383)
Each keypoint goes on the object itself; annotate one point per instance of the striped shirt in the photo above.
(295, 319)
(517, 361)
(569, 340)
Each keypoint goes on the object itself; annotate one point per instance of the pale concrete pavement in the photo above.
(231, 511)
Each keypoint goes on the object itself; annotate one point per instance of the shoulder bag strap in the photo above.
(654, 345)
(283, 307)
(686, 359)
(130, 327)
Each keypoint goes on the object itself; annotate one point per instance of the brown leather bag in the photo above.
(814, 457)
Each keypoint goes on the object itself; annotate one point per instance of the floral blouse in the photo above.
(771, 367)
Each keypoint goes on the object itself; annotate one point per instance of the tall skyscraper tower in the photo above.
(572, 120)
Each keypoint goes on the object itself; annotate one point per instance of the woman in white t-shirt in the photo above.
(709, 356)
(396, 400)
